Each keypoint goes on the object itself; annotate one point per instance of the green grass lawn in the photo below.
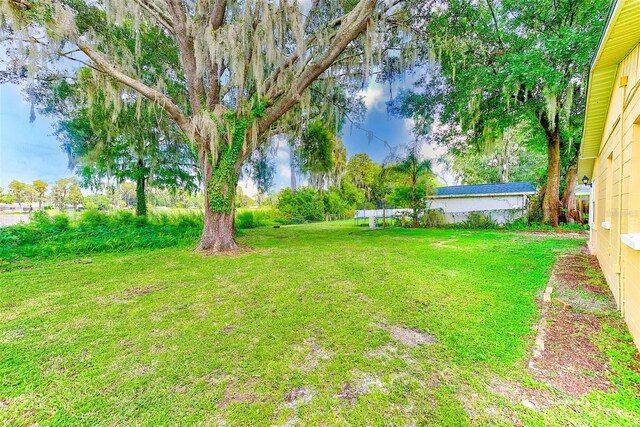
(303, 330)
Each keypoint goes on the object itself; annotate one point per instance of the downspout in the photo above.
(623, 84)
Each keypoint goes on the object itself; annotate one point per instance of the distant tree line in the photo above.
(67, 193)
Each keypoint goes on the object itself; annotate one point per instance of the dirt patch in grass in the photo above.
(385, 352)
(179, 388)
(556, 233)
(75, 261)
(406, 238)
(298, 396)
(315, 353)
(362, 384)
(347, 392)
(234, 396)
(139, 291)
(53, 364)
(580, 271)
(500, 399)
(231, 253)
(214, 378)
(444, 243)
(228, 328)
(532, 398)
(410, 337)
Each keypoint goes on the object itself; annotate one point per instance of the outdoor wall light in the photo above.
(585, 180)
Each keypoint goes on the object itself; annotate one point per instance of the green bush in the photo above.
(61, 222)
(121, 218)
(246, 220)
(518, 224)
(479, 220)
(139, 221)
(93, 219)
(41, 219)
(305, 204)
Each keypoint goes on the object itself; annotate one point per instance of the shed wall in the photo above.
(502, 209)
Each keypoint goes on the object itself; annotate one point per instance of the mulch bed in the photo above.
(571, 362)
(577, 270)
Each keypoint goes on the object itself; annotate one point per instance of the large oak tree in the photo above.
(243, 66)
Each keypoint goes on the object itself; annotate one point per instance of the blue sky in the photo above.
(29, 151)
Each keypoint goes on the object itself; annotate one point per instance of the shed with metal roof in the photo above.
(499, 203)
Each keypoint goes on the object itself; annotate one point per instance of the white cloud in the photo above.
(305, 6)
(433, 152)
(248, 186)
(282, 152)
(374, 97)
(409, 123)
(283, 170)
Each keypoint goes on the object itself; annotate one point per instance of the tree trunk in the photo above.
(292, 166)
(569, 195)
(218, 233)
(551, 202)
(384, 216)
(414, 204)
(141, 197)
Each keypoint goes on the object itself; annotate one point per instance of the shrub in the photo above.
(479, 220)
(121, 218)
(95, 232)
(40, 219)
(61, 222)
(246, 220)
(305, 204)
(335, 205)
(139, 221)
(93, 219)
(189, 221)
(518, 224)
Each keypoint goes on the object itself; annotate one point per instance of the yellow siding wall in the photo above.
(617, 193)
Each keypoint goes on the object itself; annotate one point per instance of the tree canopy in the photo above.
(229, 70)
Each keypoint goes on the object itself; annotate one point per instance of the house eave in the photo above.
(618, 39)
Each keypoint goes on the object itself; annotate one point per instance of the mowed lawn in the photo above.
(325, 324)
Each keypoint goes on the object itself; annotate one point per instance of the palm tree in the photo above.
(414, 167)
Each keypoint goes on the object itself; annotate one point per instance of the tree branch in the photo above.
(187, 54)
(351, 26)
(157, 14)
(164, 101)
(216, 20)
(495, 21)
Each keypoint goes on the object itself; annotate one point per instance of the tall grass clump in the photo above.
(93, 231)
